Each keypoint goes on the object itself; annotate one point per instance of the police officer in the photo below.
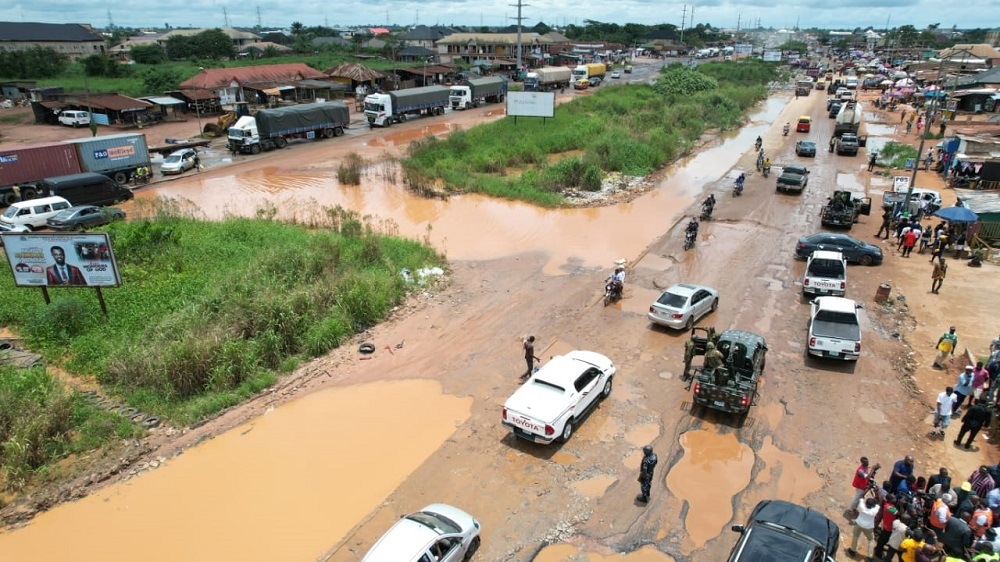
(646, 473)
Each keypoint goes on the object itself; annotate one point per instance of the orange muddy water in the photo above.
(283, 487)
(569, 553)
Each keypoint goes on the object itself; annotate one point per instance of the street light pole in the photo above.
(928, 113)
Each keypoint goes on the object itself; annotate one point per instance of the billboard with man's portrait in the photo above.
(61, 260)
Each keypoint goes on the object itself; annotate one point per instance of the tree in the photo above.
(797, 46)
(541, 29)
(270, 52)
(180, 47)
(214, 44)
(35, 62)
(297, 28)
(148, 54)
(161, 80)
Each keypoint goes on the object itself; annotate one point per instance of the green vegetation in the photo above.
(41, 421)
(632, 129)
(349, 172)
(210, 311)
(893, 155)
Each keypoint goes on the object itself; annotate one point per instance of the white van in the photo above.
(74, 118)
(851, 82)
(32, 214)
(826, 274)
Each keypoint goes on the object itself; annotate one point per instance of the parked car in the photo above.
(848, 144)
(834, 328)
(178, 162)
(32, 214)
(779, 531)
(854, 250)
(549, 405)
(437, 532)
(805, 148)
(84, 216)
(682, 305)
(74, 118)
(616, 74)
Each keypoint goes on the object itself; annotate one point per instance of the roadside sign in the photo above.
(900, 184)
(910, 163)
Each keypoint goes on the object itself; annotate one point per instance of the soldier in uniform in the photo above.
(713, 357)
(646, 473)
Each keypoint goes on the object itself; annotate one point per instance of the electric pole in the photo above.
(519, 18)
(683, 17)
(225, 16)
(259, 26)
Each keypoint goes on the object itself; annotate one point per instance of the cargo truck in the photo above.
(115, 156)
(273, 128)
(548, 78)
(848, 118)
(471, 93)
(383, 110)
(588, 71)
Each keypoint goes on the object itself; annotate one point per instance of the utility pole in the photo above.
(928, 115)
(111, 22)
(739, 19)
(519, 18)
(225, 16)
(683, 17)
(259, 26)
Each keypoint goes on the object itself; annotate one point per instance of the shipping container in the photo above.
(115, 156)
(32, 162)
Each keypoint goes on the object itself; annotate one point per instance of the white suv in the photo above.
(74, 118)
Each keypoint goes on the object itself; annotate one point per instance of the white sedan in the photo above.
(178, 162)
(682, 305)
(438, 532)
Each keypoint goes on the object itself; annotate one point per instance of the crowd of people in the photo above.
(934, 518)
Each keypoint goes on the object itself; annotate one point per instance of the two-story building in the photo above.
(492, 50)
(239, 38)
(74, 40)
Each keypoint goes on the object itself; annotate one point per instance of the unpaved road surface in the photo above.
(801, 442)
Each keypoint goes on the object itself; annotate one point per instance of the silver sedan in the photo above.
(682, 305)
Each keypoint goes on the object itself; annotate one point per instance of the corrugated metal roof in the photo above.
(979, 202)
(216, 78)
(163, 100)
(49, 32)
(354, 71)
(114, 102)
(492, 39)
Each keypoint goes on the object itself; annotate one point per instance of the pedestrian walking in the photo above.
(909, 241)
(980, 377)
(886, 224)
(884, 524)
(864, 525)
(939, 247)
(942, 412)
(197, 161)
(529, 355)
(974, 419)
(963, 388)
(909, 126)
(871, 161)
(920, 126)
(649, 461)
(925, 239)
(833, 142)
(938, 275)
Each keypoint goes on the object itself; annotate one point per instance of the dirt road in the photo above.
(799, 443)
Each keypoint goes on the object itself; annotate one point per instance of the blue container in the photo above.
(112, 155)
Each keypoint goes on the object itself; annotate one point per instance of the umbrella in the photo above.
(905, 91)
(886, 82)
(899, 74)
(869, 75)
(932, 88)
(904, 82)
(957, 214)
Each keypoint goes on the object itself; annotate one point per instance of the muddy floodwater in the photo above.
(283, 487)
(473, 227)
(569, 553)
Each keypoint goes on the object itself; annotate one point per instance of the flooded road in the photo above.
(282, 487)
(471, 227)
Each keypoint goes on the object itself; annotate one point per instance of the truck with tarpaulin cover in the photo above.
(273, 128)
(382, 110)
(475, 91)
(548, 78)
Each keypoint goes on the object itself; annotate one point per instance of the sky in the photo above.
(279, 14)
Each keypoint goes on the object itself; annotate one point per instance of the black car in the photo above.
(805, 148)
(853, 249)
(834, 109)
(779, 531)
(831, 101)
(84, 216)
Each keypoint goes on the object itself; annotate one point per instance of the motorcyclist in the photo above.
(767, 164)
(760, 142)
(692, 227)
(709, 203)
(741, 179)
(617, 280)
(786, 128)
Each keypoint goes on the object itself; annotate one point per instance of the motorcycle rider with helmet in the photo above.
(692, 227)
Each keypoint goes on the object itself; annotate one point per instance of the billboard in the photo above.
(61, 260)
(531, 104)
(772, 55)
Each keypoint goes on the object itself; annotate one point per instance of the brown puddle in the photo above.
(283, 487)
(714, 468)
(593, 487)
(794, 480)
(402, 138)
(570, 553)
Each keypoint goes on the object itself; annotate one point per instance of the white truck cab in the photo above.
(378, 109)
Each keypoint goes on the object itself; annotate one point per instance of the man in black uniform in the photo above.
(646, 473)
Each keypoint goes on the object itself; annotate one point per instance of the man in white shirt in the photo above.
(942, 411)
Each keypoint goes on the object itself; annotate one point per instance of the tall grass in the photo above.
(210, 311)
(633, 129)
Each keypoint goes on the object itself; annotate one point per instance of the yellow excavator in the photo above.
(219, 128)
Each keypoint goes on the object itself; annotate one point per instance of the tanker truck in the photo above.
(273, 128)
(471, 93)
(848, 118)
(588, 71)
(548, 78)
(383, 110)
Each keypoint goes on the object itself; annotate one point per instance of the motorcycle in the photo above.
(737, 189)
(139, 179)
(689, 238)
(612, 292)
(766, 170)
(785, 129)
(757, 145)
(706, 212)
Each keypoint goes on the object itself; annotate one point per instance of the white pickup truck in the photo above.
(834, 328)
(555, 398)
(826, 274)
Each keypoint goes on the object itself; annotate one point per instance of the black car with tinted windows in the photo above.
(834, 109)
(779, 531)
(854, 250)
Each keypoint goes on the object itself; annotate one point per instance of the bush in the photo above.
(349, 172)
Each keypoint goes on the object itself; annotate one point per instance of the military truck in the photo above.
(844, 209)
(731, 388)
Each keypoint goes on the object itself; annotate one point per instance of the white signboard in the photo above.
(531, 104)
(772, 55)
(54, 260)
(744, 49)
(900, 184)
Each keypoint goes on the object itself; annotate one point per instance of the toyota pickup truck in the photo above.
(549, 405)
(834, 328)
(732, 388)
(793, 178)
(826, 274)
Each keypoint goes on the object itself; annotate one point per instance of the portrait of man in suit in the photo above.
(62, 273)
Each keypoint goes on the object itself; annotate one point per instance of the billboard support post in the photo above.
(45, 295)
(100, 299)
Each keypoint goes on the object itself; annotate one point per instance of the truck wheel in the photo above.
(567, 431)
(439, 111)
(9, 199)
(281, 142)
(329, 133)
(255, 149)
(338, 132)
(121, 178)
(28, 193)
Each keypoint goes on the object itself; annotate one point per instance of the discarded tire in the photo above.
(89, 394)
(139, 418)
(112, 406)
(150, 423)
(366, 348)
(128, 411)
